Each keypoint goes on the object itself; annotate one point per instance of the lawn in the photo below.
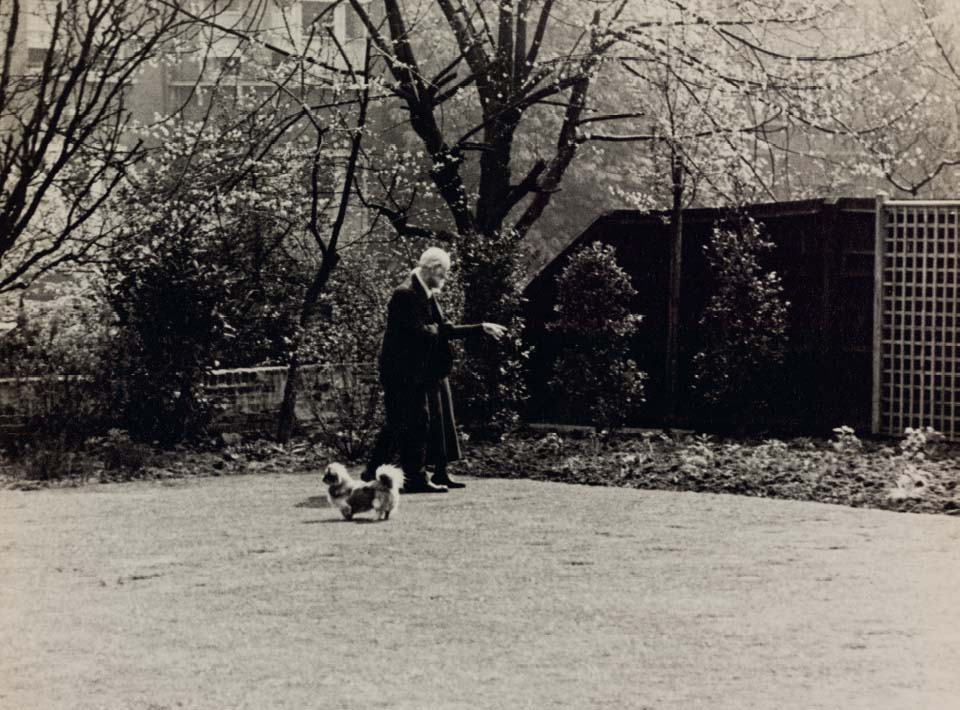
(247, 592)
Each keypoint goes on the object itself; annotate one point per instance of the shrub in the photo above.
(54, 357)
(348, 337)
(169, 327)
(349, 419)
(120, 453)
(51, 459)
(744, 329)
(598, 381)
(202, 274)
(490, 381)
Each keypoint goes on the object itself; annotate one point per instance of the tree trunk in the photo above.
(495, 173)
(673, 302)
(288, 409)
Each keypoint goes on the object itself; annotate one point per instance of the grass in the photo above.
(246, 592)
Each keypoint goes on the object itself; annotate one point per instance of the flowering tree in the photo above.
(204, 269)
(466, 88)
(727, 105)
(245, 209)
(919, 152)
(499, 97)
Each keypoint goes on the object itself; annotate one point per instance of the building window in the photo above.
(35, 56)
(354, 27)
(315, 17)
(230, 66)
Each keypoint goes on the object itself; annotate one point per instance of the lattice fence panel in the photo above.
(915, 351)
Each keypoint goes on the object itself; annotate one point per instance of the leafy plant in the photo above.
(600, 384)
(349, 412)
(744, 329)
(121, 453)
(200, 274)
(918, 443)
(489, 382)
(52, 458)
(846, 441)
(54, 359)
(350, 415)
(837, 470)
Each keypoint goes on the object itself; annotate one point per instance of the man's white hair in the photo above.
(435, 256)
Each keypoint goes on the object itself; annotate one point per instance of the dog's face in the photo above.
(335, 473)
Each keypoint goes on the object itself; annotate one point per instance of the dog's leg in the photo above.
(346, 511)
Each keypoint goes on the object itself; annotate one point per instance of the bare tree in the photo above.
(65, 74)
(327, 240)
(474, 82)
(327, 88)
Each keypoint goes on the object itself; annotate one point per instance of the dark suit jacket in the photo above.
(416, 344)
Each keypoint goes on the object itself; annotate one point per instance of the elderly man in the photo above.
(414, 363)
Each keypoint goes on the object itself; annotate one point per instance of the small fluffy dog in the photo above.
(351, 496)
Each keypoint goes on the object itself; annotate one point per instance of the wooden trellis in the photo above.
(917, 264)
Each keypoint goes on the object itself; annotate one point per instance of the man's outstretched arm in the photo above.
(458, 332)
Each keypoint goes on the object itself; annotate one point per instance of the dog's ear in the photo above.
(333, 472)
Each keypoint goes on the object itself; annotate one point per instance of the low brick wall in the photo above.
(243, 397)
(252, 396)
(19, 398)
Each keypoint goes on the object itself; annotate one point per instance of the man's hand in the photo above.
(494, 330)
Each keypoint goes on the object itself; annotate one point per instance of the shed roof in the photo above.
(758, 210)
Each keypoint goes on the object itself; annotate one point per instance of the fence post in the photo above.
(878, 258)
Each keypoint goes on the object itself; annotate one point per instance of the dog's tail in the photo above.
(390, 477)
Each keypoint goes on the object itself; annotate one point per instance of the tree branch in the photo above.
(922, 4)
(538, 35)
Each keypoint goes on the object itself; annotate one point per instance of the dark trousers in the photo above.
(407, 427)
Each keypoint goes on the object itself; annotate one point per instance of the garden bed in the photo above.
(920, 474)
(116, 459)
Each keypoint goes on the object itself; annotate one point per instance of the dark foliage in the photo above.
(595, 378)
(743, 329)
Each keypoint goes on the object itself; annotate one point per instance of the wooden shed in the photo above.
(825, 254)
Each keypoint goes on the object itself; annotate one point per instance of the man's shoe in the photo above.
(421, 487)
(445, 480)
